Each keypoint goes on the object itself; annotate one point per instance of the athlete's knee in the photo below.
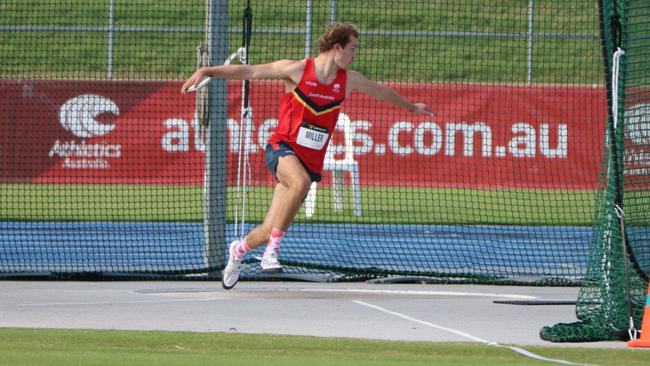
(299, 183)
(292, 174)
(302, 185)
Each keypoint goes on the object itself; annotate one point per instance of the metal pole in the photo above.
(530, 35)
(308, 27)
(111, 31)
(332, 11)
(216, 155)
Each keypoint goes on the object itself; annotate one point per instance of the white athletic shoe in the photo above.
(270, 263)
(231, 272)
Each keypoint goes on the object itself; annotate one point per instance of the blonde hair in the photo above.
(337, 33)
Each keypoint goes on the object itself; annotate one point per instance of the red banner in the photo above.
(130, 132)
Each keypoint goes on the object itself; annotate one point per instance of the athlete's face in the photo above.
(345, 55)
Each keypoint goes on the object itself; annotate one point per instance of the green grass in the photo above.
(90, 347)
(440, 59)
(400, 205)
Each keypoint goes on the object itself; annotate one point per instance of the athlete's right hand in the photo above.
(195, 79)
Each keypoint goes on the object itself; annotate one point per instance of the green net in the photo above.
(613, 291)
(106, 168)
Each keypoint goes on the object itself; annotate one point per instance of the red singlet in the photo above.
(308, 116)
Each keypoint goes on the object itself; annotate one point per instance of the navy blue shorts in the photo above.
(273, 156)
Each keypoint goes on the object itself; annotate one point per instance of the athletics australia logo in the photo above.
(336, 88)
(79, 116)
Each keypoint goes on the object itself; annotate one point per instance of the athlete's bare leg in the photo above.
(294, 183)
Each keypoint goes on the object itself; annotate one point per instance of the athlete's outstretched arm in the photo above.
(282, 69)
(357, 81)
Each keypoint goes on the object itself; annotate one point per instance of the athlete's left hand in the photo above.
(422, 109)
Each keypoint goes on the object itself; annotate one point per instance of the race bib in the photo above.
(312, 136)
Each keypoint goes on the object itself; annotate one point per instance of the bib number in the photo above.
(312, 136)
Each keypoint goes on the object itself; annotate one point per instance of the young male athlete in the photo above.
(309, 110)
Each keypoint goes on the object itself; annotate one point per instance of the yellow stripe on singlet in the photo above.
(310, 108)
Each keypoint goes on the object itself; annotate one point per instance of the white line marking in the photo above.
(519, 350)
(347, 291)
(110, 302)
(414, 293)
(400, 315)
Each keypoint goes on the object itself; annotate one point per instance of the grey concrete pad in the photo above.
(437, 313)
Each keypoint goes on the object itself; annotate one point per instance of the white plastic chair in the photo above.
(338, 167)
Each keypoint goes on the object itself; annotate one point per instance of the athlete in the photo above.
(309, 110)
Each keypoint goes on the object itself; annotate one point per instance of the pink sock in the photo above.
(274, 242)
(240, 249)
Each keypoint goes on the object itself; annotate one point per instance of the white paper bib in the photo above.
(312, 136)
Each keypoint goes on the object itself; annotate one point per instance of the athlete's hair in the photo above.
(337, 33)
